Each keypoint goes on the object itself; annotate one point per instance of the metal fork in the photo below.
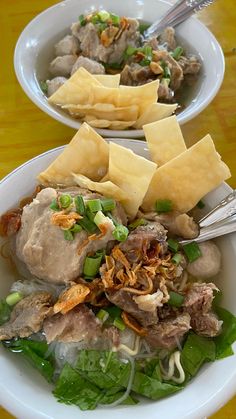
(179, 12)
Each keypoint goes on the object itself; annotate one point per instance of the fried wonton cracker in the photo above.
(155, 112)
(165, 140)
(87, 154)
(142, 96)
(106, 111)
(132, 174)
(104, 123)
(108, 80)
(188, 177)
(106, 188)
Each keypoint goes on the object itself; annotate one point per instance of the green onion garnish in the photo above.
(114, 311)
(104, 15)
(108, 204)
(137, 223)
(100, 219)
(68, 235)
(87, 225)
(118, 322)
(173, 245)
(82, 20)
(76, 228)
(120, 233)
(130, 51)
(115, 19)
(14, 298)
(176, 258)
(145, 62)
(79, 204)
(164, 205)
(54, 205)
(65, 200)
(176, 300)
(102, 315)
(112, 219)
(200, 204)
(44, 87)
(94, 205)
(95, 19)
(192, 251)
(176, 54)
(92, 265)
(167, 73)
(143, 27)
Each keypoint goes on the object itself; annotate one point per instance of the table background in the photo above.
(26, 131)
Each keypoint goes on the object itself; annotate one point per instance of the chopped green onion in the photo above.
(120, 233)
(118, 322)
(54, 205)
(76, 228)
(143, 27)
(147, 50)
(108, 204)
(92, 265)
(176, 258)
(145, 62)
(164, 205)
(14, 298)
(94, 205)
(44, 87)
(87, 225)
(176, 54)
(114, 311)
(112, 66)
(95, 19)
(130, 51)
(176, 300)
(173, 245)
(102, 26)
(68, 235)
(102, 315)
(104, 15)
(137, 223)
(200, 204)
(79, 204)
(115, 19)
(167, 73)
(100, 219)
(112, 219)
(82, 20)
(192, 251)
(65, 200)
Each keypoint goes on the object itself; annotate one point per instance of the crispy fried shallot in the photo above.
(65, 221)
(133, 324)
(70, 298)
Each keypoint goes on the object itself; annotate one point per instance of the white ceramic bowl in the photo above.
(27, 395)
(34, 51)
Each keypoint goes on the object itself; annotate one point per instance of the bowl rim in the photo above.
(64, 119)
(18, 407)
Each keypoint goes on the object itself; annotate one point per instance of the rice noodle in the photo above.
(129, 385)
(183, 281)
(27, 287)
(174, 362)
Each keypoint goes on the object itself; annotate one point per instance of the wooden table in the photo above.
(26, 131)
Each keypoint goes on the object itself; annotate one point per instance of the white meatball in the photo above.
(54, 84)
(91, 66)
(62, 66)
(208, 264)
(69, 45)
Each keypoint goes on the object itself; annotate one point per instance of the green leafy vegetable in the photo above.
(5, 312)
(151, 387)
(227, 337)
(44, 87)
(82, 20)
(35, 352)
(176, 300)
(196, 351)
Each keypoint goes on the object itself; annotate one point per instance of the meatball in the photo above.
(208, 264)
(91, 66)
(62, 66)
(54, 84)
(69, 45)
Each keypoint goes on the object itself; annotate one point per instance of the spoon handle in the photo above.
(224, 209)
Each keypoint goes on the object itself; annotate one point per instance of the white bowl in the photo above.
(27, 395)
(34, 51)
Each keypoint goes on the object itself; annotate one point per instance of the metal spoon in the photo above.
(179, 12)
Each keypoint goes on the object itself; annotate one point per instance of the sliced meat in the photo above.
(168, 37)
(208, 264)
(54, 84)
(69, 45)
(92, 47)
(62, 66)
(27, 316)
(135, 74)
(124, 300)
(199, 297)
(177, 224)
(167, 333)
(190, 65)
(42, 247)
(164, 92)
(91, 66)
(176, 72)
(76, 325)
(206, 324)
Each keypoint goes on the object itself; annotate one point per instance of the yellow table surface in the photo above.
(26, 131)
